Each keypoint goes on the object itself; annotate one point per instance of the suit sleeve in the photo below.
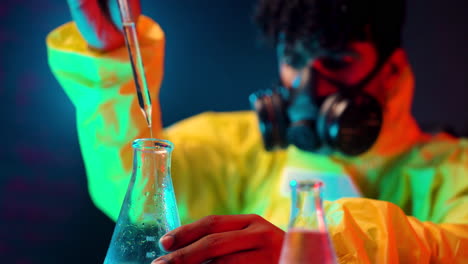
(430, 223)
(108, 117)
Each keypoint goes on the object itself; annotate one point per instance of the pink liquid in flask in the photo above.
(302, 246)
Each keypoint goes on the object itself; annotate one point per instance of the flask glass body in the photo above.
(307, 240)
(149, 209)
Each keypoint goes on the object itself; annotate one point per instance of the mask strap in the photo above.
(350, 89)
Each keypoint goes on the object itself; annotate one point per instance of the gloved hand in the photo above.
(99, 21)
(223, 239)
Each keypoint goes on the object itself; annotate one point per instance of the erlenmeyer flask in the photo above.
(307, 240)
(149, 209)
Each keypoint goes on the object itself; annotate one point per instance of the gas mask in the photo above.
(348, 121)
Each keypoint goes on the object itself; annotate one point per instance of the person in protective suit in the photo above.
(341, 112)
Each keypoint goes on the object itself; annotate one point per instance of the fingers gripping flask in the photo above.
(149, 209)
(307, 240)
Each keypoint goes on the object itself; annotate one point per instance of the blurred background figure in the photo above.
(46, 214)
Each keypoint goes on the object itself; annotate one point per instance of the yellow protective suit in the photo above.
(416, 186)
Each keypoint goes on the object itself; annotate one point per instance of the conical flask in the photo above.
(149, 209)
(307, 240)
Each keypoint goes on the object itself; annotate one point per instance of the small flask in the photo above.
(149, 209)
(307, 240)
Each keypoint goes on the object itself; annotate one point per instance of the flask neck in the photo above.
(306, 209)
(151, 159)
(150, 187)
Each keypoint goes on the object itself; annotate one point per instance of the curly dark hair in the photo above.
(333, 23)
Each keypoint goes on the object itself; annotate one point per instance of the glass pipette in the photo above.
(133, 47)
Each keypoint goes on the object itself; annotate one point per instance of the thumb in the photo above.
(96, 21)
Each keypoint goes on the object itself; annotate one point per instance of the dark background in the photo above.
(213, 61)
